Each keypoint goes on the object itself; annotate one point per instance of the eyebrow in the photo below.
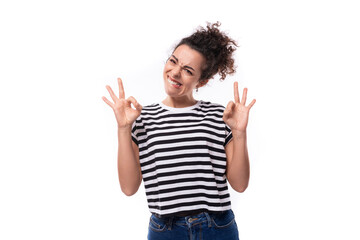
(184, 66)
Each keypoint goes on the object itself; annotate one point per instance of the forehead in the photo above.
(188, 56)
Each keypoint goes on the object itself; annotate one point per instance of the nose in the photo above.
(175, 72)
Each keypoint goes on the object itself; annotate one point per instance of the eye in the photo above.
(188, 71)
(172, 60)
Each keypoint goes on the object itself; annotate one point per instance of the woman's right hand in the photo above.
(124, 113)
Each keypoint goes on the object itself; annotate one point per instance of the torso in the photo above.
(182, 157)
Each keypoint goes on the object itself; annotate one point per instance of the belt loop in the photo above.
(208, 219)
(170, 221)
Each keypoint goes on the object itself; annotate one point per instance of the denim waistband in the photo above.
(181, 214)
(189, 220)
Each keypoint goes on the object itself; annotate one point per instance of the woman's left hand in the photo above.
(236, 114)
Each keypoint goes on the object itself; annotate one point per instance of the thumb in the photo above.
(228, 110)
(135, 103)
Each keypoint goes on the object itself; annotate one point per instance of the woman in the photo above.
(183, 149)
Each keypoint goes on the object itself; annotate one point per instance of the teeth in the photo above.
(172, 82)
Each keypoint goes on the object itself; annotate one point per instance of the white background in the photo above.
(58, 143)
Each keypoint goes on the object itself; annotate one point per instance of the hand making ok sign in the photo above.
(236, 114)
(124, 113)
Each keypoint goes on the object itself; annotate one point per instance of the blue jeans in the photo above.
(203, 226)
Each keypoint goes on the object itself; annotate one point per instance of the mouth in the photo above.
(174, 83)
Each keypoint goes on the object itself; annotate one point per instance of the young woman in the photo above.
(185, 150)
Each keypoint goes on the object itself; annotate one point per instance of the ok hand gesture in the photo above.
(124, 113)
(236, 114)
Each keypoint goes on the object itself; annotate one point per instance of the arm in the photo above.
(129, 170)
(238, 165)
(236, 116)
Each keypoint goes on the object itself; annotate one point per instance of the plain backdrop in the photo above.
(58, 139)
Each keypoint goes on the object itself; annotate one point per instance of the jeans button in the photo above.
(190, 220)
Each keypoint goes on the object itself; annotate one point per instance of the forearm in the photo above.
(128, 163)
(238, 170)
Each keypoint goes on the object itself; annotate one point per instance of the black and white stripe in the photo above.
(182, 157)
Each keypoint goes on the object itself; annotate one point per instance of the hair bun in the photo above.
(216, 47)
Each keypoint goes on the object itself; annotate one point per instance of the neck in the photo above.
(179, 102)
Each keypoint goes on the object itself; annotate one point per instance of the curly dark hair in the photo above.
(216, 47)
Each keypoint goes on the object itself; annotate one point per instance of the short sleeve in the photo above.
(134, 132)
(228, 135)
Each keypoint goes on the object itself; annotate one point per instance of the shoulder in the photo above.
(150, 109)
(211, 106)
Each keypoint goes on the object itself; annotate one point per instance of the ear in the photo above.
(202, 83)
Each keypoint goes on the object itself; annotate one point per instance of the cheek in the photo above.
(191, 82)
(166, 69)
(167, 66)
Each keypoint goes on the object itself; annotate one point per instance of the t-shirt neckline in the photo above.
(184, 109)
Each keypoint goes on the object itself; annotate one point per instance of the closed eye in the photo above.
(188, 71)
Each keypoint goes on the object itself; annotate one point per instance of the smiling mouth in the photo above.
(172, 82)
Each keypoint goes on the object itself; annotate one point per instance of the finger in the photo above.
(112, 94)
(229, 108)
(134, 103)
(252, 103)
(108, 102)
(236, 92)
(121, 89)
(243, 99)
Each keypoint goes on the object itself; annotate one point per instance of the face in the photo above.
(182, 72)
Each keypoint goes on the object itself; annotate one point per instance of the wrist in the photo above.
(126, 129)
(238, 134)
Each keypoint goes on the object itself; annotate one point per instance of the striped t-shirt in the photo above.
(182, 157)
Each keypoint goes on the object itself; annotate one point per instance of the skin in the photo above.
(236, 115)
(129, 171)
(183, 67)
